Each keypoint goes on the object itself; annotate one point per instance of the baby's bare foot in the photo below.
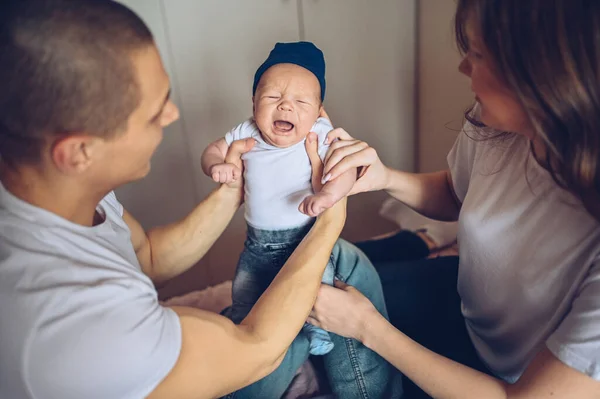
(315, 204)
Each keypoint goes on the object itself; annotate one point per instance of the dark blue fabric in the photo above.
(422, 299)
(304, 54)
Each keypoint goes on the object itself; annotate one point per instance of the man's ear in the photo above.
(74, 154)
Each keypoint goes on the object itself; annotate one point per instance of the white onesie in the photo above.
(276, 180)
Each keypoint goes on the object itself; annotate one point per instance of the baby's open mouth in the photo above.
(283, 126)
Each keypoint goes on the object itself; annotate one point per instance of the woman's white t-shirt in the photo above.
(529, 271)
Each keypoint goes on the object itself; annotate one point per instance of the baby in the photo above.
(288, 93)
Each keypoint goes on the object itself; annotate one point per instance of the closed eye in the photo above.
(475, 54)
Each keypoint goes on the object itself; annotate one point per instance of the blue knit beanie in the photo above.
(304, 54)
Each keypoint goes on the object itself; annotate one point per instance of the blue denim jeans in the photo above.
(265, 252)
(422, 299)
(353, 370)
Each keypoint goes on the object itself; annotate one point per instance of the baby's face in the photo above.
(286, 104)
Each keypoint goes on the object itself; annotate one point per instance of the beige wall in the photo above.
(443, 93)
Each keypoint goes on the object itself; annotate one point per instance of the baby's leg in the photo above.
(252, 277)
(319, 339)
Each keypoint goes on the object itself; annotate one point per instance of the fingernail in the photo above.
(326, 178)
(311, 138)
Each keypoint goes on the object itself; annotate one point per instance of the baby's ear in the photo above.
(323, 113)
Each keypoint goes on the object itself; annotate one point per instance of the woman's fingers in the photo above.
(356, 160)
(342, 151)
(336, 146)
(346, 153)
(340, 309)
(339, 134)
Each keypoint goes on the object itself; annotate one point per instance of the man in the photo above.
(85, 99)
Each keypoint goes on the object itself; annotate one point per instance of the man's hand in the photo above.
(234, 158)
(315, 161)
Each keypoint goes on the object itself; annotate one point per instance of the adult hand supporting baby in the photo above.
(342, 310)
(325, 193)
(234, 157)
(311, 145)
(345, 153)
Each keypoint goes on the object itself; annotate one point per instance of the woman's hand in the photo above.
(343, 310)
(346, 153)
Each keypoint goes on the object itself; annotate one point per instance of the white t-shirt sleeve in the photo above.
(576, 342)
(242, 131)
(118, 342)
(460, 161)
(322, 127)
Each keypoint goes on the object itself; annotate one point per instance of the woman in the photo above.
(524, 183)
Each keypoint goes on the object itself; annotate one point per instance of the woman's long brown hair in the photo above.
(548, 53)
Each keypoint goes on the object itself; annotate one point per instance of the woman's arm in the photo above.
(440, 377)
(347, 312)
(430, 194)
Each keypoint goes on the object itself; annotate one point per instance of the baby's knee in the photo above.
(351, 264)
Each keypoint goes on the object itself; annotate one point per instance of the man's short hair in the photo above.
(66, 67)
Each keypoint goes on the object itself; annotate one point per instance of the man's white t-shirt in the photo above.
(276, 180)
(78, 318)
(529, 271)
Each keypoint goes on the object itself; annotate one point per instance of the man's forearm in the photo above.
(177, 247)
(218, 357)
(295, 288)
(430, 194)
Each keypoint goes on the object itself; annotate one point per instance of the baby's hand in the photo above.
(315, 204)
(225, 173)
